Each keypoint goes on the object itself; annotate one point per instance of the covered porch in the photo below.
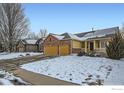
(94, 45)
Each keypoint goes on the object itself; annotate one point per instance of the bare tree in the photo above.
(32, 35)
(13, 24)
(43, 33)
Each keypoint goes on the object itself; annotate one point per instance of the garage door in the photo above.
(64, 50)
(51, 50)
(21, 49)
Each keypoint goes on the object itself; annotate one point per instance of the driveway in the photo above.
(38, 79)
(12, 66)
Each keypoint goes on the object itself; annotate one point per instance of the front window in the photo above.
(83, 45)
(103, 44)
(98, 44)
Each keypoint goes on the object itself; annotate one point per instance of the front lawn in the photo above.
(6, 55)
(81, 70)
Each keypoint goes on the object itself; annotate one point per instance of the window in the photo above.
(98, 44)
(50, 39)
(83, 44)
(103, 44)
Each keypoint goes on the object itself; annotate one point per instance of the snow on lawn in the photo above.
(81, 70)
(6, 55)
(9, 79)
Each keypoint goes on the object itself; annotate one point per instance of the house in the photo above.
(1, 47)
(27, 45)
(67, 43)
(40, 44)
(64, 44)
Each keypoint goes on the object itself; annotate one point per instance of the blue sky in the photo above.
(73, 18)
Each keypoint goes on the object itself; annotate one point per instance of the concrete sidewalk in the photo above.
(38, 79)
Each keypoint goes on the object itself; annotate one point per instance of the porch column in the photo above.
(85, 46)
(94, 44)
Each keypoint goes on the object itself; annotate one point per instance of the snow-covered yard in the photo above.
(6, 55)
(9, 79)
(81, 70)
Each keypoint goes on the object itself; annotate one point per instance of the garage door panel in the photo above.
(21, 49)
(51, 50)
(64, 50)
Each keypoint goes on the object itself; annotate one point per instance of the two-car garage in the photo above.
(59, 50)
(55, 46)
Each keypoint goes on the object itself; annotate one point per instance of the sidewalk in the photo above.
(38, 79)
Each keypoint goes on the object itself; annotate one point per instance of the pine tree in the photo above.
(115, 48)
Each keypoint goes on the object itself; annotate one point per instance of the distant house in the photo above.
(1, 47)
(27, 45)
(40, 44)
(64, 44)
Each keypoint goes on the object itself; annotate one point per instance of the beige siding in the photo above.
(76, 44)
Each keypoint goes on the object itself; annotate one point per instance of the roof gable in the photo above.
(50, 38)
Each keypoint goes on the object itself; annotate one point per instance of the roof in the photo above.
(88, 35)
(66, 36)
(28, 41)
(73, 36)
(100, 33)
(40, 40)
(82, 34)
(31, 41)
(58, 37)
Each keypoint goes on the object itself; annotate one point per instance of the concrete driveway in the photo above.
(38, 79)
(12, 66)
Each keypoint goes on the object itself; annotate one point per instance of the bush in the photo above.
(20, 55)
(91, 54)
(27, 54)
(115, 48)
(81, 53)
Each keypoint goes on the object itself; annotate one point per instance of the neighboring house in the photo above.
(64, 44)
(1, 47)
(27, 45)
(40, 44)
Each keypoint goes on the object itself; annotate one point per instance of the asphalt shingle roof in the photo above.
(88, 35)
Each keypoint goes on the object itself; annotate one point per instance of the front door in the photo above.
(91, 46)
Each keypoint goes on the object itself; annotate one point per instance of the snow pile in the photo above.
(6, 55)
(5, 82)
(81, 70)
(7, 78)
